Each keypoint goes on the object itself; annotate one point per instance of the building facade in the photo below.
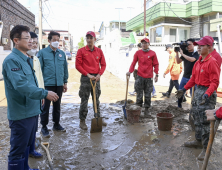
(12, 13)
(174, 21)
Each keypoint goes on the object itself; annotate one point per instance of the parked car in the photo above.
(68, 54)
(73, 54)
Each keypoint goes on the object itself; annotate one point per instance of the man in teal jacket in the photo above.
(23, 98)
(55, 75)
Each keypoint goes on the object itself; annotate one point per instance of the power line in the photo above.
(77, 19)
(47, 22)
(177, 15)
(47, 7)
(182, 18)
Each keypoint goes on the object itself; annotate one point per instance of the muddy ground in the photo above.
(121, 145)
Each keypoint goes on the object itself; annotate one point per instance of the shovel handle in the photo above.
(45, 146)
(209, 146)
(94, 97)
(127, 84)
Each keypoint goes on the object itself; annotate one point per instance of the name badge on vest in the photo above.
(148, 56)
(60, 55)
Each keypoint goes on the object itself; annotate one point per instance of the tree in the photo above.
(81, 43)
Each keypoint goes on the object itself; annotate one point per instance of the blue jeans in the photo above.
(182, 84)
(154, 91)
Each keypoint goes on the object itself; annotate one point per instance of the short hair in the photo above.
(52, 33)
(33, 35)
(17, 30)
(191, 39)
(139, 45)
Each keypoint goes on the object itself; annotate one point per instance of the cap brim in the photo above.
(199, 43)
(144, 40)
(89, 34)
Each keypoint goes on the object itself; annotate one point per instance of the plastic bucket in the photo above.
(133, 116)
(164, 121)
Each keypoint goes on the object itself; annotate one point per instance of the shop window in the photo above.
(183, 35)
(173, 35)
(158, 34)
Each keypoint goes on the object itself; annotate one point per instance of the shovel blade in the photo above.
(96, 125)
(124, 111)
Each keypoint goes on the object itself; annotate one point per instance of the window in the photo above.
(66, 38)
(158, 34)
(173, 35)
(206, 29)
(183, 35)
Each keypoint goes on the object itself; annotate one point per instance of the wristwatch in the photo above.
(157, 75)
(216, 116)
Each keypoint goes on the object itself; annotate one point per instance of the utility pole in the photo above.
(119, 16)
(40, 24)
(144, 17)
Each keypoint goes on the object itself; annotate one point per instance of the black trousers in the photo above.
(56, 106)
(172, 84)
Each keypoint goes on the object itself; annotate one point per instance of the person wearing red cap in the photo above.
(214, 53)
(90, 62)
(146, 59)
(205, 75)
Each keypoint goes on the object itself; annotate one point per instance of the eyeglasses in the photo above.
(27, 39)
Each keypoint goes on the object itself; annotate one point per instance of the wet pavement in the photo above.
(121, 145)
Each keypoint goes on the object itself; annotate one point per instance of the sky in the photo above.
(80, 16)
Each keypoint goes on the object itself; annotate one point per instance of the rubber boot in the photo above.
(83, 125)
(26, 162)
(104, 123)
(146, 112)
(202, 155)
(32, 151)
(193, 144)
(16, 165)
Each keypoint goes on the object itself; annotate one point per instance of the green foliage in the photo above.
(81, 43)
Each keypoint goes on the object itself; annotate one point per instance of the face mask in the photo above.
(55, 44)
(32, 52)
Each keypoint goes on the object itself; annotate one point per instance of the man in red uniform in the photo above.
(90, 62)
(205, 75)
(146, 59)
(214, 53)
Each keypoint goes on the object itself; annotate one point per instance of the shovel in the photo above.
(190, 116)
(45, 146)
(124, 107)
(213, 129)
(96, 123)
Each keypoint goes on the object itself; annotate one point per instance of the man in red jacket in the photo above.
(214, 53)
(146, 59)
(205, 75)
(90, 62)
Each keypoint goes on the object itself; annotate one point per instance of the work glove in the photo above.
(205, 99)
(180, 93)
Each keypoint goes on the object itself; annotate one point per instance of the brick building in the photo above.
(13, 13)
